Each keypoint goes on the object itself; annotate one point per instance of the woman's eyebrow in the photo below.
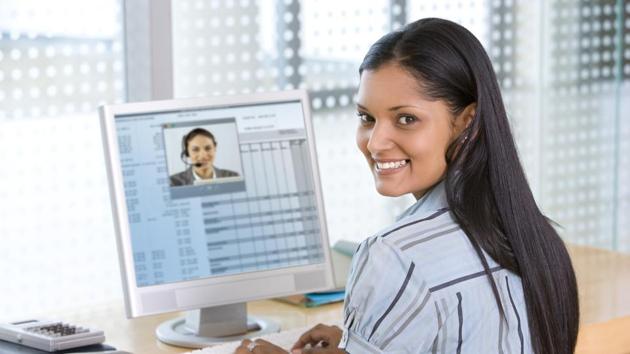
(362, 107)
(395, 108)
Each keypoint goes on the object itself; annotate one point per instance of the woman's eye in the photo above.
(406, 120)
(364, 118)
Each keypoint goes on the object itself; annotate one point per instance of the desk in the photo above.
(604, 289)
(610, 337)
(138, 335)
(603, 285)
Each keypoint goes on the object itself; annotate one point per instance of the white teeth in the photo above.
(390, 165)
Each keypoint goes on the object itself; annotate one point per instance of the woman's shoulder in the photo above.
(427, 279)
(225, 173)
(427, 275)
(181, 178)
(437, 246)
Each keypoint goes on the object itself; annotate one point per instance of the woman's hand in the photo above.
(260, 347)
(327, 337)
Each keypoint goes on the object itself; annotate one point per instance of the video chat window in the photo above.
(203, 158)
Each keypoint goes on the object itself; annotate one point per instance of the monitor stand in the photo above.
(214, 325)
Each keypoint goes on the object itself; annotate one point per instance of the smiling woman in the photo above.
(429, 96)
(199, 149)
(473, 266)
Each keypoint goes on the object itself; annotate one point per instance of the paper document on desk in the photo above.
(283, 339)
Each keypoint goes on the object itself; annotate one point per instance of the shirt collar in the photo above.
(197, 178)
(434, 199)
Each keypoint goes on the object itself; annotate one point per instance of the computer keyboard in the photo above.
(283, 339)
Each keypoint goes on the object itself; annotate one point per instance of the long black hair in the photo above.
(487, 190)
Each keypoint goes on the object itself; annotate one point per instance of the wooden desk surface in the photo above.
(604, 289)
(610, 337)
(138, 335)
(603, 284)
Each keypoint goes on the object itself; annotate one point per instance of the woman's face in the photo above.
(201, 150)
(403, 134)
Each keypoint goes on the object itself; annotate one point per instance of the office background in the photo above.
(564, 68)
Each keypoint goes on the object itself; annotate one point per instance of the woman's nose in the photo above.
(380, 138)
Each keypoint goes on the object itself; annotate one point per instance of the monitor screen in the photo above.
(255, 212)
(222, 190)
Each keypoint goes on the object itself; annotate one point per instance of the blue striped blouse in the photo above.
(419, 287)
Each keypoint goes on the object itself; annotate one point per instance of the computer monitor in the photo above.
(216, 202)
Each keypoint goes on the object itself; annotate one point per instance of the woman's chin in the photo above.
(387, 191)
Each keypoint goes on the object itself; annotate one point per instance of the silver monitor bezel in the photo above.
(132, 293)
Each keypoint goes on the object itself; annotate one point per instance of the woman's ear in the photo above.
(462, 122)
(467, 116)
(464, 119)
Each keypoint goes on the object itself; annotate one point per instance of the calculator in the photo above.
(49, 336)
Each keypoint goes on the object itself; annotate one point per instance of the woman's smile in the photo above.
(389, 167)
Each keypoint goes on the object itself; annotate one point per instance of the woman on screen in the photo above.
(199, 148)
(473, 266)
